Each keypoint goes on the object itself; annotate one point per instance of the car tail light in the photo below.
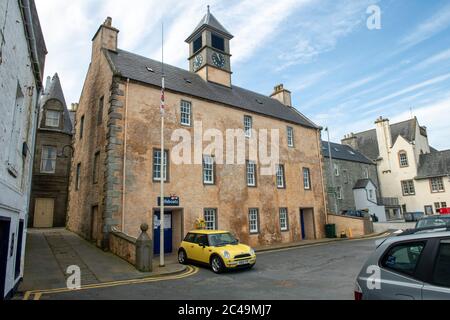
(358, 293)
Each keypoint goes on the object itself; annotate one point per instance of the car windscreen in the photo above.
(221, 239)
(434, 222)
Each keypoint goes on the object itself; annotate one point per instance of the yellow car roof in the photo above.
(208, 231)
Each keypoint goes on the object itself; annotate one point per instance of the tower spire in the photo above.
(208, 9)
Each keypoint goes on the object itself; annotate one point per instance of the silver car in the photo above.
(411, 266)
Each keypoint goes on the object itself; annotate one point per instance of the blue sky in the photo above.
(341, 74)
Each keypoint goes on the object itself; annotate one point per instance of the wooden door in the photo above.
(43, 213)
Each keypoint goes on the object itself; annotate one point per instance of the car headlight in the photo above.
(226, 255)
(252, 252)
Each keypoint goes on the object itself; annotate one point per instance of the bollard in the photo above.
(144, 251)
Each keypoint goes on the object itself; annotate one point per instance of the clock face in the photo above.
(218, 60)
(198, 62)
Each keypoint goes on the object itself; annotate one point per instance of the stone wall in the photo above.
(358, 226)
(123, 246)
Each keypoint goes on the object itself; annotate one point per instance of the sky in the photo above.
(342, 74)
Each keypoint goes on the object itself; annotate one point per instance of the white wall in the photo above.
(364, 202)
(15, 69)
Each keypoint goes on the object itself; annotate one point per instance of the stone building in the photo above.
(409, 169)
(349, 170)
(117, 162)
(48, 207)
(22, 59)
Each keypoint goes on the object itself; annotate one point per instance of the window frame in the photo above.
(408, 193)
(308, 177)
(336, 170)
(248, 126)
(82, 119)
(217, 37)
(78, 177)
(42, 159)
(404, 243)
(255, 179)
(280, 212)
(101, 105)
(200, 37)
(406, 163)
(435, 264)
(212, 169)
(257, 224)
(215, 215)
(47, 112)
(283, 186)
(440, 181)
(290, 137)
(96, 168)
(183, 113)
(339, 195)
(165, 166)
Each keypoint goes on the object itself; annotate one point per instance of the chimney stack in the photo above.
(282, 95)
(350, 140)
(105, 38)
(384, 137)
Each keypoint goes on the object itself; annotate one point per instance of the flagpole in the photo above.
(162, 171)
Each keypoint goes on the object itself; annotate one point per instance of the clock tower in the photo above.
(209, 51)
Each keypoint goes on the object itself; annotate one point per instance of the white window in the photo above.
(280, 176)
(186, 112)
(290, 136)
(251, 174)
(210, 219)
(248, 126)
(437, 185)
(283, 219)
(336, 170)
(366, 173)
(52, 118)
(339, 193)
(208, 170)
(48, 159)
(370, 194)
(408, 188)
(306, 179)
(157, 155)
(403, 158)
(253, 217)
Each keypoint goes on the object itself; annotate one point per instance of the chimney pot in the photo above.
(282, 95)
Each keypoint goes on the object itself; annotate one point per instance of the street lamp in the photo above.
(332, 171)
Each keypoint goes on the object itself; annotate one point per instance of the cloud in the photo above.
(435, 24)
(437, 58)
(321, 28)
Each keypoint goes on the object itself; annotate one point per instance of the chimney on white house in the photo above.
(105, 38)
(384, 137)
(282, 95)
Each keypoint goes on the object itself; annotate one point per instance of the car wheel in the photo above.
(251, 266)
(217, 264)
(182, 257)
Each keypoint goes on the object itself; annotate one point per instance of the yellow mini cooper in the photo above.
(218, 249)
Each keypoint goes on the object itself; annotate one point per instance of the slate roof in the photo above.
(210, 21)
(435, 164)
(368, 144)
(54, 91)
(135, 67)
(344, 152)
(362, 184)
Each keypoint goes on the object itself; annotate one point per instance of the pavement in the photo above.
(49, 252)
(324, 271)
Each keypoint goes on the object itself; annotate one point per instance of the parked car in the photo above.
(411, 266)
(218, 249)
(433, 221)
(413, 216)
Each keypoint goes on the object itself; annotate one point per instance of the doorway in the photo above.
(5, 225)
(43, 213)
(168, 248)
(307, 223)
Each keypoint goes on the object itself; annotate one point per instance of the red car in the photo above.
(444, 211)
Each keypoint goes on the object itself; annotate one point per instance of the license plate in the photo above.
(241, 263)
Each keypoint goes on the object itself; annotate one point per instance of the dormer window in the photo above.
(403, 159)
(218, 42)
(198, 44)
(52, 118)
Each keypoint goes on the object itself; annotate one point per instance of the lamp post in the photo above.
(332, 171)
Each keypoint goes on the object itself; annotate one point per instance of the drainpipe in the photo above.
(319, 151)
(125, 156)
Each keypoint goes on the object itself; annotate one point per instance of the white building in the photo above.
(408, 168)
(22, 58)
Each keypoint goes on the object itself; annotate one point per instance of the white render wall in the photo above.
(15, 69)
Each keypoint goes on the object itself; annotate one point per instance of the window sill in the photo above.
(12, 170)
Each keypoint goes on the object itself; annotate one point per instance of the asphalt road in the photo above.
(320, 272)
